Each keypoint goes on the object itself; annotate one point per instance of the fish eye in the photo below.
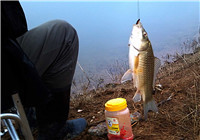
(145, 34)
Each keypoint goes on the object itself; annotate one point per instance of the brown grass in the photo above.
(178, 118)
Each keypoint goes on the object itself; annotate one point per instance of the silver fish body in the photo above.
(143, 67)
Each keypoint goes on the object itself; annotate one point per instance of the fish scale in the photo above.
(146, 63)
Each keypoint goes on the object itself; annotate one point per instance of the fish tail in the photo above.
(137, 96)
(151, 105)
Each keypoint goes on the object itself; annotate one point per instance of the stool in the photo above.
(20, 118)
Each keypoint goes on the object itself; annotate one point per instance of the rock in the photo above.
(98, 130)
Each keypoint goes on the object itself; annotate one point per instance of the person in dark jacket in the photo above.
(39, 64)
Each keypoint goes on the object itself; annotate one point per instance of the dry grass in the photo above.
(178, 118)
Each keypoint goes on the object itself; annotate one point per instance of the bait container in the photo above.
(118, 120)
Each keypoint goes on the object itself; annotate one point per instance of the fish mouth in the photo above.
(138, 21)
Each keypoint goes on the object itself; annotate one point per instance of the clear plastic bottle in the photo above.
(118, 120)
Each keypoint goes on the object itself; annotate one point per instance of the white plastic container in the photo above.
(118, 120)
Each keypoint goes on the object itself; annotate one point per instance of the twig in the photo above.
(168, 99)
(109, 75)
(84, 74)
(96, 123)
(194, 72)
(186, 116)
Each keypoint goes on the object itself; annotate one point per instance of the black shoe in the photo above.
(59, 131)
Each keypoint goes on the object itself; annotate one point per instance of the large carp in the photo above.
(143, 67)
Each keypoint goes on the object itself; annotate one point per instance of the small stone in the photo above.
(98, 130)
(79, 110)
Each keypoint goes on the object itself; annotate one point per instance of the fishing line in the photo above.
(138, 8)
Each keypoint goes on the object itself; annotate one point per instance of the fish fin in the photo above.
(157, 64)
(136, 61)
(133, 55)
(135, 80)
(135, 71)
(151, 105)
(137, 96)
(127, 76)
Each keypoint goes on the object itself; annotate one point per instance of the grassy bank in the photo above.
(178, 118)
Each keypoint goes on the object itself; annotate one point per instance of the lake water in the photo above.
(104, 28)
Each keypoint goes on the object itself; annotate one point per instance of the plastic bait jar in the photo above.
(118, 120)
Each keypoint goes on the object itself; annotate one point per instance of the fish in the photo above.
(143, 68)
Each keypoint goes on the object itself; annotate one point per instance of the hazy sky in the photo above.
(104, 27)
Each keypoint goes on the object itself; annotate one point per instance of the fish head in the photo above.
(139, 37)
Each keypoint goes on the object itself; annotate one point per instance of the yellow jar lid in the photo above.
(116, 104)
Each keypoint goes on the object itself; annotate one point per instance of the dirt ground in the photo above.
(178, 118)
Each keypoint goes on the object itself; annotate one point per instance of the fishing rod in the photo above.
(138, 8)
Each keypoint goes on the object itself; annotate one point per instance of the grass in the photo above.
(178, 118)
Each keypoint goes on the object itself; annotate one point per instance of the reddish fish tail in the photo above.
(151, 105)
